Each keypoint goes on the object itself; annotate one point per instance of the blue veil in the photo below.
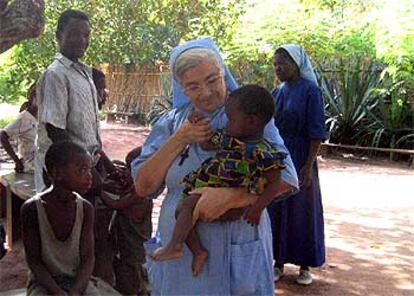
(302, 60)
(179, 98)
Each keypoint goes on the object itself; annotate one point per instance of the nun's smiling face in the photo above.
(204, 85)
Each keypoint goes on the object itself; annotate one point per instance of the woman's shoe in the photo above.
(278, 271)
(304, 278)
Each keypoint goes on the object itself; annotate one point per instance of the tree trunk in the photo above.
(19, 20)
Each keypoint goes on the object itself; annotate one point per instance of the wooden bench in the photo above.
(325, 147)
(18, 188)
(124, 117)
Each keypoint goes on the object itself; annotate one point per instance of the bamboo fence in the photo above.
(133, 92)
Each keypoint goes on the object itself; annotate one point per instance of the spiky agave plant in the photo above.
(348, 94)
(390, 121)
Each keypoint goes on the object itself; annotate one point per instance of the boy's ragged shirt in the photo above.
(236, 164)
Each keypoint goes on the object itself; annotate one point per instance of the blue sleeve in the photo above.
(271, 133)
(275, 91)
(161, 131)
(315, 114)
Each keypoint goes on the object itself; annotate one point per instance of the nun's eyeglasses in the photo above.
(211, 83)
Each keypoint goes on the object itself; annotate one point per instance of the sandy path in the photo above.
(369, 215)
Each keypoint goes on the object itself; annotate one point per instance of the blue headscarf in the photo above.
(179, 98)
(301, 58)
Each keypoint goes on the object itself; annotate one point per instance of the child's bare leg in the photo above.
(183, 226)
(200, 255)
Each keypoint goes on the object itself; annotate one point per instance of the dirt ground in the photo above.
(369, 225)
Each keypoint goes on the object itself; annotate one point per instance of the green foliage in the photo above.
(386, 125)
(389, 119)
(365, 107)
(348, 93)
(394, 30)
(362, 107)
(134, 34)
(6, 120)
(338, 30)
(258, 71)
(326, 29)
(163, 103)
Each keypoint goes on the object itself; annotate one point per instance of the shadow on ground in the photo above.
(368, 253)
(369, 221)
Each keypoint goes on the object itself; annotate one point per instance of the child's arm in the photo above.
(87, 249)
(107, 163)
(272, 189)
(119, 204)
(4, 139)
(32, 248)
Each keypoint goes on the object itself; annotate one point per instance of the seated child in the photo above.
(131, 228)
(57, 226)
(23, 128)
(243, 159)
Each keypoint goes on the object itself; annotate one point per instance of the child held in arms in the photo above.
(243, 159)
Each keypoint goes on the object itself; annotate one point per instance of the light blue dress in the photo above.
(240, 256)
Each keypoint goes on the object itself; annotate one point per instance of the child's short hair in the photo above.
(97, 74)
(255, 100)
(69, 14)
(61, 154)
(31, 93)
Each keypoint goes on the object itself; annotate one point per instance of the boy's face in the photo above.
(77, 175)
(102, 92)
(238, 124)
(74, 39)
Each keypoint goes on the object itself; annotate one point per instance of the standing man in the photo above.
(67, 96)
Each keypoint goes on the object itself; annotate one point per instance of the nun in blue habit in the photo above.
(297, 222)
(240, 256)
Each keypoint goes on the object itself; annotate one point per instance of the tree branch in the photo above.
(20, 20)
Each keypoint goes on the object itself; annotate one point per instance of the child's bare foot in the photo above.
(198, 262)
(168, 252)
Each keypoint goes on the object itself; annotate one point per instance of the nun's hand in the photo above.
(305, 176)
(214, 202)
(198, 132)
(253, 214)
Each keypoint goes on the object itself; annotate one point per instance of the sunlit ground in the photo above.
(369, 222)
